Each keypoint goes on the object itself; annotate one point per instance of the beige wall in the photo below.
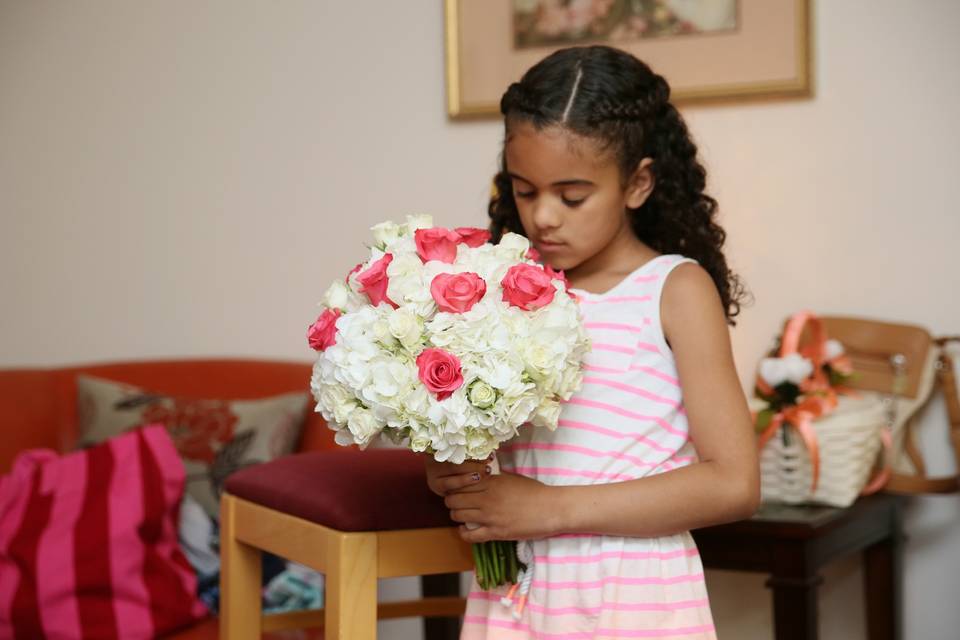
(185, 178)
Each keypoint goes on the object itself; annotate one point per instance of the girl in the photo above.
(599, 172)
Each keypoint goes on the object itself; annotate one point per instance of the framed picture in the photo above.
(708, 50)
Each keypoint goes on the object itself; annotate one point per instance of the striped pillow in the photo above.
(88, 542)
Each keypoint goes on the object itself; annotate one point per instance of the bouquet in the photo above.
(447, 344)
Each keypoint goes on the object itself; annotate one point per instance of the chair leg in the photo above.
(351, 588)
(240, 575)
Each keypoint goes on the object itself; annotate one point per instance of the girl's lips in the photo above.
(547, 246)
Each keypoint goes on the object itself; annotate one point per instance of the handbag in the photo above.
(823, 448)
(903, 365)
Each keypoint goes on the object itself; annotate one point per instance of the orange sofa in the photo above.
(38, 408)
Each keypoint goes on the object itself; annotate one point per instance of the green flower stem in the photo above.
(482, 576)
(495, 563)
(475, 548)
(502, 562)
(486, 565)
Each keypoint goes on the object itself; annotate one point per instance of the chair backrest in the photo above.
(38, 407)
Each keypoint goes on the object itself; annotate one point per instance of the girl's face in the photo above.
(571, 198)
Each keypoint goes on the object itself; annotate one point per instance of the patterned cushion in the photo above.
(213, 437)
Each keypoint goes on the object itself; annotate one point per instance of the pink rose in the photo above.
(323, 333)
(374, 281)
(353, 271)
(528, 287)
(440, 372)
(436, 243)
(457, 292)
(533, 254)
(472, 236)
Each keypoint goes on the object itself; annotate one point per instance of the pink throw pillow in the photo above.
(88, 542)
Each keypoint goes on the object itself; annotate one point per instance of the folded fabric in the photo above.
(296, 588)
(88, 543)
(199, 537)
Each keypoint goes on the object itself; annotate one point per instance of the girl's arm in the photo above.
(723, 486)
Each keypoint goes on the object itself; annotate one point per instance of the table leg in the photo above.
(795, 614)
(882, 583)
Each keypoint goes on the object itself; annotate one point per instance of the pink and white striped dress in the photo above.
(626, 422)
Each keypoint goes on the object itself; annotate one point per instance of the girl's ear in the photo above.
(640, 185)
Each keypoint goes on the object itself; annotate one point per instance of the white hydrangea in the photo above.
(517, 366)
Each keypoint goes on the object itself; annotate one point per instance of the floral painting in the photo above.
(539, 23)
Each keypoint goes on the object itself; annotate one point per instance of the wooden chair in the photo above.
(354, 516)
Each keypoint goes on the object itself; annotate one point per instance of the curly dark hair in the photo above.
(611, 97)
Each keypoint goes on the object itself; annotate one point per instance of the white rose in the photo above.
(420, 441)
(833, 349)
(407, 327)
(381, 332)
(364, 426)
(513, 245)
(481, 394)
(547, 414)
(480, 444)
(385, 233)
(541, 359)
(337, 295)
(419, 221)
(406, 279)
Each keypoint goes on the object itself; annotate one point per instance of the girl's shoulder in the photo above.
(689, 301)
(653, 277)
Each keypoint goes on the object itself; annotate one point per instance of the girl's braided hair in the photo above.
(614, 99)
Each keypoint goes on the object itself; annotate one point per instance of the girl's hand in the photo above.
(506, 507)
(444, 478)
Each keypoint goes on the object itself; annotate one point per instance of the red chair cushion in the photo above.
(347, 490)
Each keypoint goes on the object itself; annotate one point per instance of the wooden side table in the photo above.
(792, 543)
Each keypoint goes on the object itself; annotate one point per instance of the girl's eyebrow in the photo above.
(559, 183)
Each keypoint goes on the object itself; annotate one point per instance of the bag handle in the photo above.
(946, 379)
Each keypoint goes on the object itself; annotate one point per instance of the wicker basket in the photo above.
(845, 432)
(849, 441)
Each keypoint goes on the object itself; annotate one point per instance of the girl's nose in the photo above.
(545, 215)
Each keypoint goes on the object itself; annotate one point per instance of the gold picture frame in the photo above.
(767, 55)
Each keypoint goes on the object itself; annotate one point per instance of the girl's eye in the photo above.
(523, 194)
(573, 203)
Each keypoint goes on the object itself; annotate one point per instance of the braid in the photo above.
(653, 99)
(518, 99)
